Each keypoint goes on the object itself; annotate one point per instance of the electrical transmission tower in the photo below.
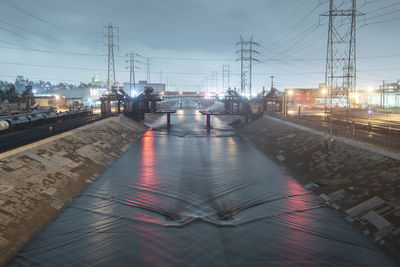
(226, 75)
(214, 81)
(132, 79)
(112, 34)
(340, 74)
(247, 53)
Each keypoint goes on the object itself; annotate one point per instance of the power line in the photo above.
(43, 36)
(21, 9)
(284, 21)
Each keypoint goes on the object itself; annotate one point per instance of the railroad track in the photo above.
(19, 138)
(382, 129)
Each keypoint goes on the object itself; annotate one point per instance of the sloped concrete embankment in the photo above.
(38, 180)
(360, 182)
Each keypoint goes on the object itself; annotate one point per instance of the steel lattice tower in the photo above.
(226, 74)
(113, 38)
(247, 53)
(340, 74)
(131, 62)
(214, 81)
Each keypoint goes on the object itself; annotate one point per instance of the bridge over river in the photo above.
(192, 197)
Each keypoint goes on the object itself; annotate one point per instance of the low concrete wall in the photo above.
(360, 182)
(38, 180)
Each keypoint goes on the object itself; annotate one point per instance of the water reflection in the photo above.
(187, 198)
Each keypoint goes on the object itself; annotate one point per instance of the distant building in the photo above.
(141, 85)
(306, 95)
(387, 96)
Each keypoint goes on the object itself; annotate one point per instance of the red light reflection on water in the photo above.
(296, 236)
(147, 178)
(151, 246)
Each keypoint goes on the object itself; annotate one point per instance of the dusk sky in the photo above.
(186, 40)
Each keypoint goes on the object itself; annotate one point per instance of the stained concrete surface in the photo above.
(192, 197)
(38, 180)
(363, 185)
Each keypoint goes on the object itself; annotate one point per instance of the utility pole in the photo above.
(246, 59)
(112, 35)
(226, 74)
(148, 69)
(340, 74)
(272, 82)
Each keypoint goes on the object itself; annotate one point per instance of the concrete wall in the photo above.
(38, 180)
(362, 183)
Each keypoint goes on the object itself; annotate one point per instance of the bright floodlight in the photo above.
(370, 89)
(290, 92)
(57, 97)
(324, 91)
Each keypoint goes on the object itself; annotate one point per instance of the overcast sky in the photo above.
(186, 40)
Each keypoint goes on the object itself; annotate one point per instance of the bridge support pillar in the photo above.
(208, 121)
(168, 120)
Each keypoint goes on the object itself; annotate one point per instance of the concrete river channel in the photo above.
(192, 197)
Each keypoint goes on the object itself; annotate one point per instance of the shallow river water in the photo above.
(189, 197)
